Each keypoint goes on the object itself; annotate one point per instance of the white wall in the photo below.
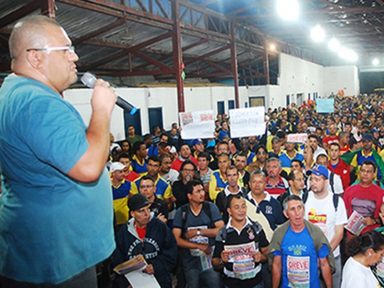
(341, 77)
(296, 76)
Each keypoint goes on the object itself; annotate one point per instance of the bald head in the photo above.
(29, 32)
(41, 50)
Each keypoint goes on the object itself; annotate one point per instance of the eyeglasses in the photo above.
(70, 49)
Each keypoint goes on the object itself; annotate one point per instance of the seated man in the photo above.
(149, 237)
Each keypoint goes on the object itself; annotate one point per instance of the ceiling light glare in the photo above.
(288, 9)
(348, 54)
(272, 47)
(375, 62)
(334, 44)
(317, 34)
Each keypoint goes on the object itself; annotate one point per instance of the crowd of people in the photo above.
(203, 190)
(261, 211)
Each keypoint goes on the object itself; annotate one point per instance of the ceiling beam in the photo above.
(99, 31)
(19, 13)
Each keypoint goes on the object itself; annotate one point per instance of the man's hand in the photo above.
(204, 248)
(257, 257)
(103, 98)
(162, 218)
(149, 269)
(224, 256)
(191, 233)
(369, 221)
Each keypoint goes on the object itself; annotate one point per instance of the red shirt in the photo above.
(343, 170)
(176, 164)
(330, 139)
(132, 176)
(141, 232)
(365, 200)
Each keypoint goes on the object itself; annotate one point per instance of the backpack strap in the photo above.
(332, 182)
(335, 201)
(207, 211)
(184, 214)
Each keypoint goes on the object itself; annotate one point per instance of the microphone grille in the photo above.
(88, 79)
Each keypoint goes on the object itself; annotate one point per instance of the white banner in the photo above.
(247, 122)
(199, 124)
(297, 138)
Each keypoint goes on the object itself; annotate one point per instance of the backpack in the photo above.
(184, 214)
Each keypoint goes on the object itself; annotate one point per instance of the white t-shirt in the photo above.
(321, 212)
(358, 275)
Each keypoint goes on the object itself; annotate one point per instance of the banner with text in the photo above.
(199, 124)
(247, 122)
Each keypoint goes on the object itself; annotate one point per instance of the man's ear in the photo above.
(285, 214)
(34, 58)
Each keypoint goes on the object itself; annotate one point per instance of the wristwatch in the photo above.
(198, 233)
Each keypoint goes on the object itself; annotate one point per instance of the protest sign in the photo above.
(247, 122)
(199, 124)
(325, 105)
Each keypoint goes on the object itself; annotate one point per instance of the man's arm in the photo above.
(188, 244)
(276, 271)
(336, 239)
(326, 271)
(92, 163)
(209, 232)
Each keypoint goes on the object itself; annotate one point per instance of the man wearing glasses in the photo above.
(56, 217)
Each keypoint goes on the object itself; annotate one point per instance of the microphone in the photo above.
(89, 80)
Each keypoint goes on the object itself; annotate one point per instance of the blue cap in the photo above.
(319, 170)
(196, 141)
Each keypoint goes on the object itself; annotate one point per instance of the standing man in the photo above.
(326, 210)
(218, 178)
(240, 231)
(241, 164)
(148, 236)
(53, 165)
(365, 197)
(195, 227)
(231, 189)
(338, 166)
(269, 206)
(276, 184)
(298, 249)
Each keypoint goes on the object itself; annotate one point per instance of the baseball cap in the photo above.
(116, 166)
(367, 137)
(137, 202)
(319, 170)
(196, 141)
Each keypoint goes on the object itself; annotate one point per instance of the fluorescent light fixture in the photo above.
(288, 9)
(317, 34)
(375, 61)
(334, 44)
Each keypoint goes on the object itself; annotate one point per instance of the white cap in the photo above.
(116, 166)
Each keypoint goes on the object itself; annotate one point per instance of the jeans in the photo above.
(337, 275)
(196, 277)
(86, 279)
(260, 285)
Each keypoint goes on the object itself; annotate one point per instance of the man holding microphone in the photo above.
(56, 217)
